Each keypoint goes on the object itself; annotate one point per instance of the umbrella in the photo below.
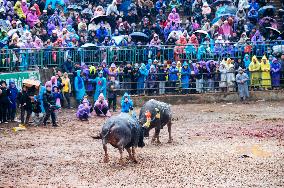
(220, 16)
(71, 7)
(226, 10)
(267, 10)
(30, 82)
(202, 32)
(274, 29)
(99, 19)
(218, 2)
(88, 45)
(269, 19)
(139, 36)
(86, 11)
(118, 39)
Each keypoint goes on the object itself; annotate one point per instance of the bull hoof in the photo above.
(106, 160)
(170, 140)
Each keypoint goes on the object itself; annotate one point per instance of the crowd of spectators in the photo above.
(68, 23)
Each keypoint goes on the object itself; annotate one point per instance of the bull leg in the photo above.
(121, 156)
(106, 158)
(133, 155)
(156, 135)
(129, 153)
(170, 132)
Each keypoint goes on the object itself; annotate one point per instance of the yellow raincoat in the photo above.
(18, 10)
(265, 73)
(254, 68)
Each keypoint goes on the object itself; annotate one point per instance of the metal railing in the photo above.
(24, 59)
(203, 83)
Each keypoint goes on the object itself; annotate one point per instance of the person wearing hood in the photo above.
(242, 81)
(241, 14)
(247, 62)
(227, 29)
(24, 7)
(275, 73)
(10, 9)
(112, 8)
(211, 66)
(142, 75)
(223, 74)
(101, 106)
(84, 110)
(66, 90)
(253, 5)
(24, 98)
(174, 4)
(206, 10)
(13, 100)
(254, 69)
(79, 87)
(230, 74)
(126, 103)
(112, 72)
(49, 103)
(152, 80)
(173, 76)
(2, 8)
(265, 73)
(185, 75)
(101, 84)
(253, 15)
(174, 16)
(19, 11)
(181, 44)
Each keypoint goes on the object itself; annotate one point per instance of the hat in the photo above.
(184, 64)
(112, 65)
(219, 37)
(136, 66)
(101, 72)
(13, 22)
(54, 31)
(33, 8)
(44, 11)
(205, 4)
(240, 69)
(174, 63)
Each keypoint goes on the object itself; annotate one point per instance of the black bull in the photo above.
(161, 115)
(124, 131)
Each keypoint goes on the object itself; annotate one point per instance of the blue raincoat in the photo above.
(125, 106)
(101, 85)
(143, 73)
(185, 74)
(173, 73)
(13, 96)
(42, 90)
(79, 86)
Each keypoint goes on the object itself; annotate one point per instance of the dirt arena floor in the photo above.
(215, 145)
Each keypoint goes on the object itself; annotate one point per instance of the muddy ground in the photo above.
(215, 145)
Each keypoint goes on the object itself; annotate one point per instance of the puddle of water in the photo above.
(254, 150)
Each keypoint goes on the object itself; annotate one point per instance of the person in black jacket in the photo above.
(49, 104)
(4, 101)
(127, 77)
(25, 105)
(162, 74)
(112, 94)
